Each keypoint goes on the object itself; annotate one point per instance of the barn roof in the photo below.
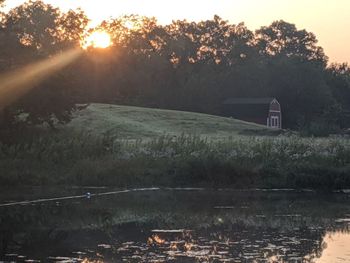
(242, 101)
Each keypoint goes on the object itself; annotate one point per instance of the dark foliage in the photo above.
(189, 66)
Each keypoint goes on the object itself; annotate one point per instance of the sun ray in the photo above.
(16, 83)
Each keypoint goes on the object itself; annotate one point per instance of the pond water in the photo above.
(173, 225)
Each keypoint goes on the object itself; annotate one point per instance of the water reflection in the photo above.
(224, 245)
(180, 226)
(336, 248)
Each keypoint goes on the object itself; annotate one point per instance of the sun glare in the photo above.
(98, 39)
(129, 25)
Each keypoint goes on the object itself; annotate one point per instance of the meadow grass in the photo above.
(129, 122)
(236, 162)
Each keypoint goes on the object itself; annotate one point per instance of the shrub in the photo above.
(241, 162)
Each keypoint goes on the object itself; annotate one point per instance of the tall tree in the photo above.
(32, 32)
(301, 88)
(284, 39)
(35, 24)
(44, 27)
(71, 28)
(338, 78)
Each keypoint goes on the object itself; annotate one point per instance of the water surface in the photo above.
(173, 225)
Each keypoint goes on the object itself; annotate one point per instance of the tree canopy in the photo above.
(185, 65)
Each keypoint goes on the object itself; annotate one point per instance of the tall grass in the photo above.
(241, 162)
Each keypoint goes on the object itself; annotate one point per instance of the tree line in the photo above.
(192, 66)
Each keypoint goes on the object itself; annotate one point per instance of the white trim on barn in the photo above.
(263, 111)
(275, 115)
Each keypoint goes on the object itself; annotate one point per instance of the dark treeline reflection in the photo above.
(174, 226)
(186, 65)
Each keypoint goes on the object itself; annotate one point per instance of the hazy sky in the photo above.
(328, 19)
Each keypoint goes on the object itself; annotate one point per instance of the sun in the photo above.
(98, 39)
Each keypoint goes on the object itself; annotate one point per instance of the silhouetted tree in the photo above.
(185, 65)
(284, 39)
(338, 78)
(29, 33)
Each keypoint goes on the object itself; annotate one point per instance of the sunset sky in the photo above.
(328, 19)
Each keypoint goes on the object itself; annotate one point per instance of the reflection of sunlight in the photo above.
(15, 84)
(91, 261)
(337, 246)
(156, 239)
(273, 258)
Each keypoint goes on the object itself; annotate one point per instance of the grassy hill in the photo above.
(128, 122)
(71, 157)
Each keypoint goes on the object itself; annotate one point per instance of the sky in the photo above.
(328, 19)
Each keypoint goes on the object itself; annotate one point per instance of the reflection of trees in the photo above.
(286, 221)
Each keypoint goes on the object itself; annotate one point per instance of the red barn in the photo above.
(265, 111)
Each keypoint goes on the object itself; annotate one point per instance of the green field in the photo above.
(126, 147)
(128, 122)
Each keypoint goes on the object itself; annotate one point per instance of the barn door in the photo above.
(274, 122)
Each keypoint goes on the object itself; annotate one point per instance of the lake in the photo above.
(173, 225)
